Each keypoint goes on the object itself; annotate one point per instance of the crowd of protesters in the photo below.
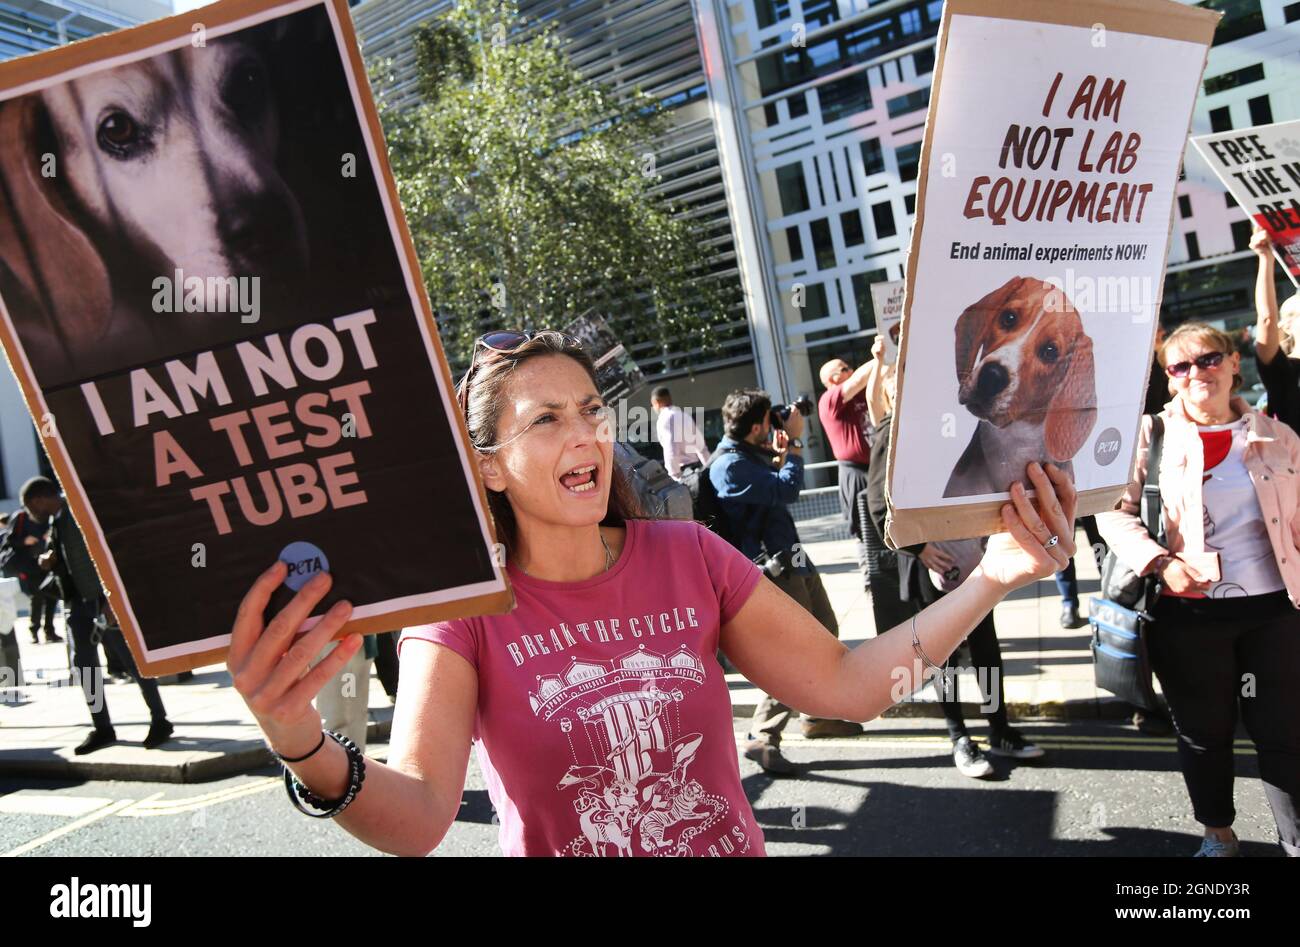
(1224, 645)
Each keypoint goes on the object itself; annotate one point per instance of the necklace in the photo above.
(609, 556)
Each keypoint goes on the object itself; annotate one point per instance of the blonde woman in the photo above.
(1225, 642)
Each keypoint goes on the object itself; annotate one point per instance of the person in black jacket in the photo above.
(26, 534)
(915, 586)
(69, 559)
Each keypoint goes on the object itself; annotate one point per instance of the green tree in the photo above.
(529, 190)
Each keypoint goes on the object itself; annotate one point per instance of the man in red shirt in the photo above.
(844, 410)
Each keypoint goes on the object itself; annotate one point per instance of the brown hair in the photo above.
(1216, 339)
(481, 398)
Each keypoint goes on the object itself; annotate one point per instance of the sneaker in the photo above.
(970, 761)
(769, 758)
(814, 729)
(1010, 743)
(160, 732)
(1070, 617)
(97, 740)
(52, 638)
(1213, 848)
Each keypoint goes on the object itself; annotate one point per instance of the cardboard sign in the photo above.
(617, 373)
(214, 310)
(887, 300)
(1260, 167)
(1046, 189)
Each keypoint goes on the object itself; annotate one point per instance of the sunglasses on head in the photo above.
(1204, 362)
(504, 342)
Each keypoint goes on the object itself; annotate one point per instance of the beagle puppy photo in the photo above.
(1025, 371)
(192, 163)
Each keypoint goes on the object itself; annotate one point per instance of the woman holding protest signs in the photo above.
(603, 720)
(1225, 639)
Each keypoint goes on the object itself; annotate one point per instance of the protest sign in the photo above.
(1046, 187)
(1260, 167)
(214, 310)
(617, 374)
(887, 301)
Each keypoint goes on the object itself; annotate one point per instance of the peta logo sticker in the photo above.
(305, 561)
(1106, 448)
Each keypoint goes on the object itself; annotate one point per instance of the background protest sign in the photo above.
(617, 373)
(1260, 167)
(1044, 203)
(887, 301)
(212, 305)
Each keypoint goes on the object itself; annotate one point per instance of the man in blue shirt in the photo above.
(755, 484)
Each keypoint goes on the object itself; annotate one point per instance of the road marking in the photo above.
(156, 807)
(84, 821)
(29, 802)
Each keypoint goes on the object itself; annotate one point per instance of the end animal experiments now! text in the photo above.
(218, 322)
(1045, 190)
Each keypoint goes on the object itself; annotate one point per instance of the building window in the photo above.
(909, 204)
(924, 61)
(908, 157)
(1292, 12)
(851, 227)
(844, 97)
(911, 102)
(771, 12)
(795, 244)
(823, 246)
(1184, 206)
(1221, 119)
(1241, 231)
(794, 192)
(1193, 247)
(1229, 200)
(1240, 18)
(818, 13)
(1234, 79)
(862, 296)
(883, 217)
(798, 105)
(815, 305)
(873, 159)
(1261, 113)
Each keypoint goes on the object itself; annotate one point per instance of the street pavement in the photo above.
(1104, 788)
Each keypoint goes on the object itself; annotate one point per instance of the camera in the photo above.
(781, 413)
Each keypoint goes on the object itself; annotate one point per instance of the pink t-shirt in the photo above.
(604, 722)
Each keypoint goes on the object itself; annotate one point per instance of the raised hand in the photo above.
(1022, 554)
(270, 663)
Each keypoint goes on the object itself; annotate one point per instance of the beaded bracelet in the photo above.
(356, 776)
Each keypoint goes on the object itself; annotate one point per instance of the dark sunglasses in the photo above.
(1204, 362)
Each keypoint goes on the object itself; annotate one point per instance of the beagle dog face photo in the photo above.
(1025, 371)
(193, 166)
(176, 156)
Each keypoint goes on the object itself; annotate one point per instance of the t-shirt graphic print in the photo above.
(604, 724)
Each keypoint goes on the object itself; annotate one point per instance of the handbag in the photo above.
(1121, 616)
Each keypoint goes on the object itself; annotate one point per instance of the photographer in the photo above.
(754, 485)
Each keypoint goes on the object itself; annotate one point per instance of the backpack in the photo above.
(11, 558)
(705, 507)
(660, 495)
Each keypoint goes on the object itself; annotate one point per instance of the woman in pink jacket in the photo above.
(1227, 629)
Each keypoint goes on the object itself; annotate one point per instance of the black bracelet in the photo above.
(298, 759)
(356, 776)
